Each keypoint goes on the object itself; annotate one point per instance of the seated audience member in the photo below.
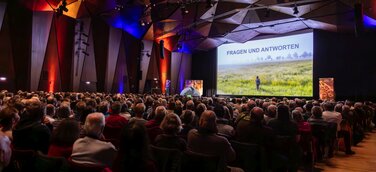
(223, 126)
(256, 132)
(30, 133)
(114, 120)
(334, 120)
(133, 154)
(153, 126)
(171, 126)
(319, 131)
(8, 119)
(187, 119)
(124, 111)
(271, 112)
(283, 125)
(308, 110)
(5, 149)
(80, 109)
(139, 110)
(305, 133)
(206, 141)
(287, 137)
(63, 112)
(49, 115)
(89, 149)
(63, 137)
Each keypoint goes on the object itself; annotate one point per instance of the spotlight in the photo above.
(296, 11)
(3, 78)
(184, 10)
(179, 46)
(142, 23)
(87, 82)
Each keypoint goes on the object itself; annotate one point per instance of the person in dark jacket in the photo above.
(30, 133)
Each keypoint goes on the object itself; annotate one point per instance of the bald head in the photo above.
(94, 124)
(257, 114)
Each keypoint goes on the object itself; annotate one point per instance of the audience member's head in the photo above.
(94, 125)
(171, 124)
(257, 115)
(283, 112)
(64, 111)
(187, 117)
(317, 112)
(50, 110)
(66, 133)
(160, 113)
(207, 122)
(34, 110)
(271, 111)
(297, 115)
(139, 109)
(8, 118)
(115, 108)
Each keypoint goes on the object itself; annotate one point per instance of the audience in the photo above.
(268, 122)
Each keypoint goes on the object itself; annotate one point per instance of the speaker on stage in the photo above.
(161, 49)
(358, 18)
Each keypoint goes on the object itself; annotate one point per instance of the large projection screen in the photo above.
(280, 66)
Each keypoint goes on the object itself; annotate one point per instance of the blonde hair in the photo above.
(171, 124)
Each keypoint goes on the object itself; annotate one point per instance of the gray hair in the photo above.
(94, 124)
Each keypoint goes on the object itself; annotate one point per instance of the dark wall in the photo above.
(349, 59)
(204, 67)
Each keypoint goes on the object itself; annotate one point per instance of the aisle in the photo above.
(363, 161)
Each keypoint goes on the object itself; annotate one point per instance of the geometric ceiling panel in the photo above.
(241, 34)
(203, 29)
(251, 17)
(289, 27)
(268, 2)
(218, 29)
(302, 9)
(209, 43)
(240, 1)
(208, 15)
(237, 18)
(266, 15)
(223, 7)
(320, 25)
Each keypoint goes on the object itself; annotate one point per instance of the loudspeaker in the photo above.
(161, 49)
(358, 17)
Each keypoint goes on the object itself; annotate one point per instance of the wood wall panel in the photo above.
(20, 22)
(100, 35)
(40, 31)
(112, 58)
(65, 42)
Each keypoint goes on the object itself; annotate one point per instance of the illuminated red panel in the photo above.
(39, 5)
(164, 65)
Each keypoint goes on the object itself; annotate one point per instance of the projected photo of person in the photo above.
(258, 82)
(283, 65)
